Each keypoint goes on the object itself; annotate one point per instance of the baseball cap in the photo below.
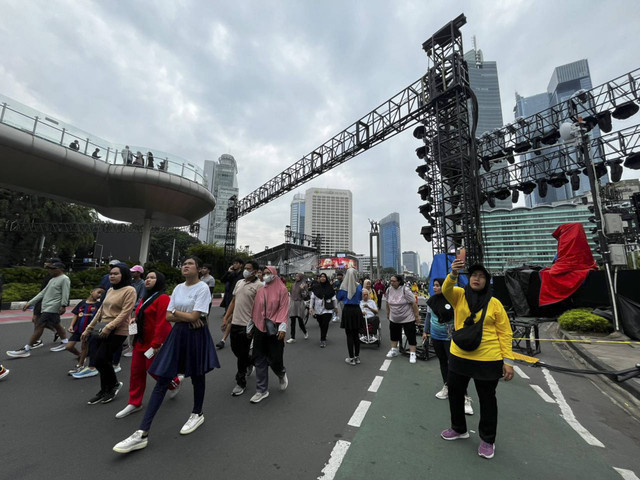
(137, 268)
(114, 262)
(55, 265)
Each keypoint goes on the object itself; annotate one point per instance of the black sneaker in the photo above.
(112, 394)
(38, 344)
(220, 345)
(97, 398)
(56, 337)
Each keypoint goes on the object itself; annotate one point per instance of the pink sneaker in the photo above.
(450, 434)
(486, 450)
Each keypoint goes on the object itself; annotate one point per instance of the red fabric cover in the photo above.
(570, 270)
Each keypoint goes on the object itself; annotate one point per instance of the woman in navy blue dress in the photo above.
(188, 350)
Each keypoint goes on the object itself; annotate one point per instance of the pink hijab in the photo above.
(276, 297)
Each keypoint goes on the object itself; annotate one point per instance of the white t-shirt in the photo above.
(195, 298)
(368, 313)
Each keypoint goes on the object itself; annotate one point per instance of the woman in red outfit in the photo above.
(153, 329)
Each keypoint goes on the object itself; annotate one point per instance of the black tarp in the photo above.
(521, 284)
(629, 314)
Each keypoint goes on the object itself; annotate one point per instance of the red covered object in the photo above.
(572, 266)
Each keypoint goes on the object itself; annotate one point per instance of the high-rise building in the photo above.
(364, 264)
(390, 242)
(424, 269)
(329, 213)
(565, 81)
(297, 215)
(483, 79)
(222, 176)
(411, 262)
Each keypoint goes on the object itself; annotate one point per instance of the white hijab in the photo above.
(350, 283)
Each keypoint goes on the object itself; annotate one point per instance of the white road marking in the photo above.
(543, 394)
(375, 385)
(567, 413)
(335, 460)
(358, 415)
(385, 365)
(519, 371)
(626, 474)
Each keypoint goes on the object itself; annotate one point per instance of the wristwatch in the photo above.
(173, 312)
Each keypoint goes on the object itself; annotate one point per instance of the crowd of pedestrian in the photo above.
(169, 339)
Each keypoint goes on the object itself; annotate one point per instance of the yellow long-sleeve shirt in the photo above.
(496, 332)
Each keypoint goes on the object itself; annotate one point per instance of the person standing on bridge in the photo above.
(352, 320)
(55, 299)
(127, 156)
(95, 154)
(486, 362)
(150, 160)
(188, 349)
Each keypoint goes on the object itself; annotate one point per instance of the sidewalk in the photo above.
(603, 356)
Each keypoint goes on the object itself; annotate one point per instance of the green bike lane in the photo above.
(400, 435)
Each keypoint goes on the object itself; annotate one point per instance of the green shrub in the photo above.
(582, 320)
(20, 292)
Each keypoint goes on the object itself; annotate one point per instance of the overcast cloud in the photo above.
(269, 81)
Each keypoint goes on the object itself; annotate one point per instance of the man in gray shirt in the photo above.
(55, 299)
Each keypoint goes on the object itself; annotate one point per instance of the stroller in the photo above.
(370, 333)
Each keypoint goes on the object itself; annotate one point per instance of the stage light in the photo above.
(615, 167)
(422, 171)
(526, 187)
(491, 200)
(522, 146)
(590, 122)
(508, 152)
(633, 161)
(575, 180)
(427, 232)
(542, 187)
(557, 180)
(604, 121)
(625, 110)
(424, 191)
(486, 164)
(503, 193)
(601, 170)
(422, 151)
(515, 195)
(550, 136)
(582, 95)
(420, 132)
(426, 208)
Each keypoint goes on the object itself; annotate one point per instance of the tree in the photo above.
(214, 255)
(161, 245)
(24, 248)
(387, 271)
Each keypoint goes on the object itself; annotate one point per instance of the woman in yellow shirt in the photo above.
(490, 361)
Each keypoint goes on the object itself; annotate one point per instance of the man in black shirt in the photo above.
(230, 278)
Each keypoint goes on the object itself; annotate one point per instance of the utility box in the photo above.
(613, 223)
(618, 254)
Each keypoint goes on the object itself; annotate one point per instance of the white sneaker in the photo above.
(192, 424)
(291, 340)
(259, 396)
(412, 357)
(468, 409)
(284, 382)
(135, 442)
(392, 353)
(443, 394)
(306, 335)
(174, 392)
(237, 391)
(128, 354)
(20, 353)
(128, 410)
(117, 368)
(59, 348)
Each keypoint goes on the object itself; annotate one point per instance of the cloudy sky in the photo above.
(269, 81)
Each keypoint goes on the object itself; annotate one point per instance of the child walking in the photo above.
(82, 315)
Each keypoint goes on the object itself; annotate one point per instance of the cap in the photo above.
(54, 265)
(137, 268)
(53, 260)
(114, 262)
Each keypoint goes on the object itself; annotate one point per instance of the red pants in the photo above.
(138, 380)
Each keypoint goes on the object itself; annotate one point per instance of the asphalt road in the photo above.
(48, 430)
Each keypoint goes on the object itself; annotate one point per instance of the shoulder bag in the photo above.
(270, 326)
(469, 337)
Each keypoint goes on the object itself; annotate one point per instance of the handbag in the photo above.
(328, 304)
(270, 326)
(469, 337)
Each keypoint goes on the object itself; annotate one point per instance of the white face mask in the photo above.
(268, 278)
(247, 274)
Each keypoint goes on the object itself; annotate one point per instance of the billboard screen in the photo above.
(337, 263)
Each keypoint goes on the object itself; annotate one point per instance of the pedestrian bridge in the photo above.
(36, 157)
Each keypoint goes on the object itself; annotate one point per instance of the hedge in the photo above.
(582, 320)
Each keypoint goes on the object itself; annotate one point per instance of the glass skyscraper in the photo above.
(296, 219)
(390, 242)
(411, 261)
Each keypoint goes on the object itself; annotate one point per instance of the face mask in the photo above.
(247, 274)
(268, 278)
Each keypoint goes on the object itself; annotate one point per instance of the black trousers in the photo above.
(488, 405)
(442, 352)
(104, 357)
(323, 321)
(353, 342)
(240, 346)
(293, 325)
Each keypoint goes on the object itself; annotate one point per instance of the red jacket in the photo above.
(156, 327)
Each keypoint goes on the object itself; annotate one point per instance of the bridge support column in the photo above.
(144, 244)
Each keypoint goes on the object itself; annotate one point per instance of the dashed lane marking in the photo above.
(626, 474)
(567, 413)
(358, 416)
(385, 365)
(543, 394)
(375, 385)
(335, 460)
(519, 371)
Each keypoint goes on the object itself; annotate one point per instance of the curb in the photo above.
(598, 364)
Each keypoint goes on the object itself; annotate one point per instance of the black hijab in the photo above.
(438, 305)
(323, 290)
(125, 281)
(150, 297)
(477, 300)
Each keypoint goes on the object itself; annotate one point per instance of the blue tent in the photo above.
(440, 268)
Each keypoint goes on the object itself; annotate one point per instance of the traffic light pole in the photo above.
(597, 211)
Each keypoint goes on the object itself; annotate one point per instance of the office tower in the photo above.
(296, 220)
(390, 242)
(424, 269)
(328, 212)
(483, 79)
(222, 176)
(565, 81)
(411, 262)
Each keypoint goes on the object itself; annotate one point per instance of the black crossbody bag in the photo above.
(270, 326)
(469, 337)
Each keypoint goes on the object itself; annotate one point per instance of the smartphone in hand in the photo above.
(461, 254)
